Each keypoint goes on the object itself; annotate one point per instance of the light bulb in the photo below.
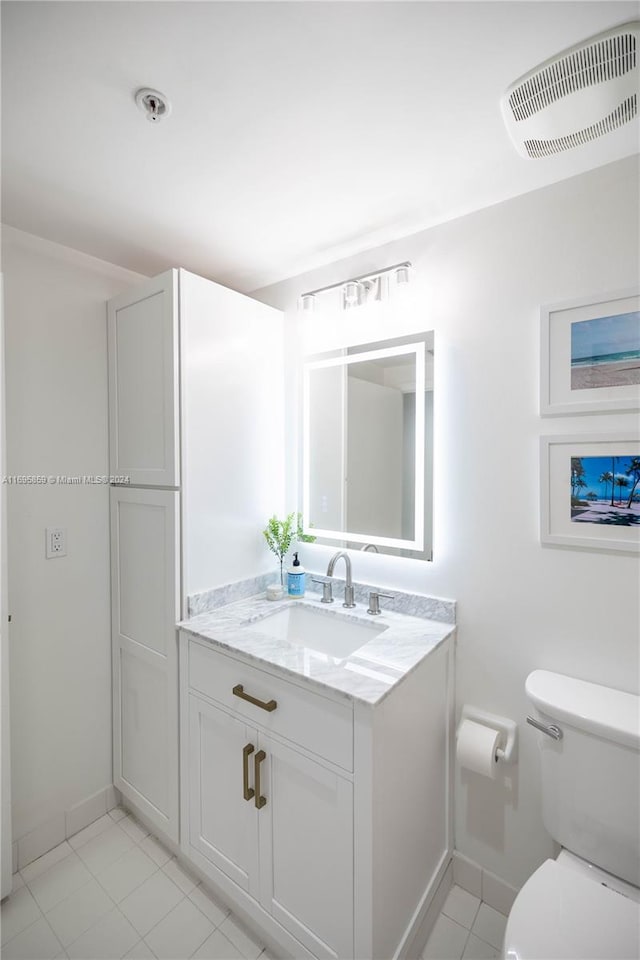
(351, 294)
(307, 303)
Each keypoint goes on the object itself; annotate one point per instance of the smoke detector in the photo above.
(579, 95)
(153, 103)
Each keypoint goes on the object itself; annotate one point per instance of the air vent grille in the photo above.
(623, 114)
(597, 63)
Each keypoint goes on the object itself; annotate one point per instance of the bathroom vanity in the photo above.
(305, 767)
(316, 759)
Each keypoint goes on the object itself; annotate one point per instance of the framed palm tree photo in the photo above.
(590, 355)
(590, 491)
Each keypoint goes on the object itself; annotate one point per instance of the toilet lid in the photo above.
(561, 915)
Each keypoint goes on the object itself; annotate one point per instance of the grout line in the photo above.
(117, 903)
(14, 892)
(20, 932)
(232, 944)
(28, 883)
(465, 943)
(184, 897)
(469, 930)
(216, 926)
(62, 947)
(28, 927)
(459, 922)
(122, 914)
(94, 876)
(93, 925)
(142, 940)
(210, 934)
(203, 941)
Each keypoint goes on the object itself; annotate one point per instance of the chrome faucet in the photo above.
(348, 584)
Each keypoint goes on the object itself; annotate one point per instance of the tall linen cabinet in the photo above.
(196, 413)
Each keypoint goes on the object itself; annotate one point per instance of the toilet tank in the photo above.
(591, 777)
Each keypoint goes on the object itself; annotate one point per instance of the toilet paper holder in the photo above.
(508, 729)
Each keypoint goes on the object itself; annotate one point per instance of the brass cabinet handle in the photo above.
(260, 800)
(247, 791)
(269, 705)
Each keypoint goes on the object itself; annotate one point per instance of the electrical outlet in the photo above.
(56, 542)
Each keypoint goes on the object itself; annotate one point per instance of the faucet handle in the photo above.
(349, 595)
(327, 596)
(374, 601)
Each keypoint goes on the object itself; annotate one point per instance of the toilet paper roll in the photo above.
(476, 748)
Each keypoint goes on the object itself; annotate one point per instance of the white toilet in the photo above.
(586, 903)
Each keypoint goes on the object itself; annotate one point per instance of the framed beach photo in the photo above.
(590, 491)
(590, 355)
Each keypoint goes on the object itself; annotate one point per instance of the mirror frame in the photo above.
(347, 357)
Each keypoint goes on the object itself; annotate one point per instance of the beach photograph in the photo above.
(605, 490)
(605, 352)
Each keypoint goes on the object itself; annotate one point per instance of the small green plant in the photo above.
(280, 534)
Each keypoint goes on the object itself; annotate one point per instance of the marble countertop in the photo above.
(367, 675)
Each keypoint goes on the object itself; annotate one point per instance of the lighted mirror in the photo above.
(367, 461)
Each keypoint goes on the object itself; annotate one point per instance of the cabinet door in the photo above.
(306, 850)
(143, 383)
(223, 824)
(145, 608)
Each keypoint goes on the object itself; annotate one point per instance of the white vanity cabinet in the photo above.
(270, 795)
(145, 602)
(144, 382)
(276, 823)
(323, 819)
(196, 429)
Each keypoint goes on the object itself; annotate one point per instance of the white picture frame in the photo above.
(561, 370)
(571, 521)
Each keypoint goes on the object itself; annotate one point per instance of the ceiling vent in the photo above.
(583, 93)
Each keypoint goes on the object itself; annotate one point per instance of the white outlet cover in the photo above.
(56, 542)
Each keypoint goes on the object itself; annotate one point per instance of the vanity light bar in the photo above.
(358, 290)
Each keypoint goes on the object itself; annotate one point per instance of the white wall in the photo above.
(480, 282)
(56, 385)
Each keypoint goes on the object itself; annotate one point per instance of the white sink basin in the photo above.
(314, 629)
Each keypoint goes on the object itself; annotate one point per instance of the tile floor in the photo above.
(467, 929)
(113, 891)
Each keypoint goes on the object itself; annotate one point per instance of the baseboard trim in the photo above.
(140, 814)
(490, 888)
(428, 912)
(63, 825)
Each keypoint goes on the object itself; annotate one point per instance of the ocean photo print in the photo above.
(605, 352)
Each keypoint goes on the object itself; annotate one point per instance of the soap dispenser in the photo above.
(295, 578)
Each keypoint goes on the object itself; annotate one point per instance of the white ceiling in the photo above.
(301, 132)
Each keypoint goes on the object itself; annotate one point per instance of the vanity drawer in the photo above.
(316, 723)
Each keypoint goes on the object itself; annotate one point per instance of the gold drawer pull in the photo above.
(260, 800)
(247, 791)
(238, 691)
